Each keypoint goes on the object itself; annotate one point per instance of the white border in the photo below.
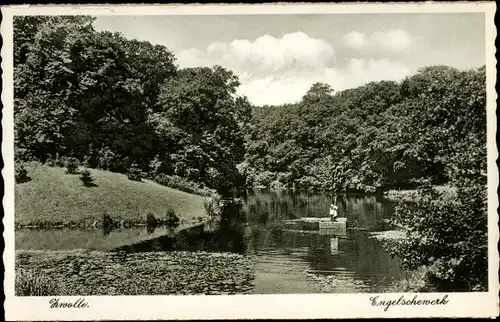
(246, 306)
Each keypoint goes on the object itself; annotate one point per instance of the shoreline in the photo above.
(388, 235)
(117, 222)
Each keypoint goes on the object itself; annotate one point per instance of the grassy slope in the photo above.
(52, 195)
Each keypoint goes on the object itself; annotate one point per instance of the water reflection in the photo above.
(354, 261)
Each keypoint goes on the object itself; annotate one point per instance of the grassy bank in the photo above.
(78, 272)
(53, 198)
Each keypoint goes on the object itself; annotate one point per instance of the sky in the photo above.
(278, 57)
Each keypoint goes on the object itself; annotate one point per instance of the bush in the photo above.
(106, 159)
(134, 173)
(171, 219)
(21, 174)
(155, 166)
(87, 179)
(151, 220)
(30, 284)
(447, 232)
(71, 165)
(107, 222)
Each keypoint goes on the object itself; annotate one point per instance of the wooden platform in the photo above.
(324, 225)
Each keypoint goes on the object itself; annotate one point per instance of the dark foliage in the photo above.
(21, 174)
(448, 233)
(171, 219)
(151, 220)
(87, 179)
(134, 173)
(71, 165)
(108, 223)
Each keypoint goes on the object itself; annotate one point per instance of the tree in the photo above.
(201, 103)
(76, 95)
(319, 92)
(151, 64)
(43, 78)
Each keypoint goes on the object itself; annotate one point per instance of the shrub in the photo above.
(154, 166)
(21, 174)
(87, 179)
(51, 162)
(107, 222)
(106, 159)
(28, 283)
(151, 220)
(447, 232)
(134, 173)
(171, 219)
(87, 161)
(71, 165)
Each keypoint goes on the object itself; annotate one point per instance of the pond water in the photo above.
(286, 261)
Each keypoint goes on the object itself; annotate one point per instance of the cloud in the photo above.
(391, 42)
(275, 90)
(355, 39)
(280, 70)
(290, 88)
(359, 71)
(264, 54)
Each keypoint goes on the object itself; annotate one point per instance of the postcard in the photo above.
(249, 161)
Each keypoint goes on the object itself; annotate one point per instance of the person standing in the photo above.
(333, 212)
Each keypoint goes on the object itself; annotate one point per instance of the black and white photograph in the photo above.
(250, 154)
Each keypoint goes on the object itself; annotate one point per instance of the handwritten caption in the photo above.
(376, 301)
(57, 303)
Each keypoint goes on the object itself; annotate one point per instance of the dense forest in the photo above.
(104, 101)
(379, 136)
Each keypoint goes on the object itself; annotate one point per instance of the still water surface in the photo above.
(286, 261)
